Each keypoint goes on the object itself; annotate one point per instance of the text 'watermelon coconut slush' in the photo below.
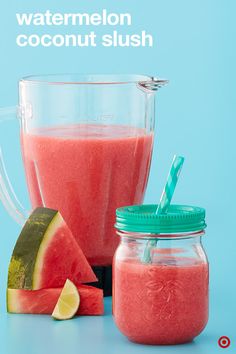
(86, 145)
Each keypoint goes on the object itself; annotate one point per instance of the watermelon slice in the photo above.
(46, 254)
(43, 301)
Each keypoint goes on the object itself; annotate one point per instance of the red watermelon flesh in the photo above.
(43, 301)
(64, 259)
(46, 254)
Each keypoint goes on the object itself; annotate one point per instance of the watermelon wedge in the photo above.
(43, 301)
(46, 254)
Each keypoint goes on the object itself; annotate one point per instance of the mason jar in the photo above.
(160, 274)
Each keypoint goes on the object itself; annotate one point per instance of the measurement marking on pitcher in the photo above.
(39, 183)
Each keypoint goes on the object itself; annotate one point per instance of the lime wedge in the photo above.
(68, 303)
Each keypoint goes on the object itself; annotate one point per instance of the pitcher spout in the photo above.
(152, 85)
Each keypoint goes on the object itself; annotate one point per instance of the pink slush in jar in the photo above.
(160, 274)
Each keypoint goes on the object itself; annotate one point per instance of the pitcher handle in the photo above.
(7, 194)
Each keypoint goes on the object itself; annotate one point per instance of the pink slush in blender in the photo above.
(86, 144)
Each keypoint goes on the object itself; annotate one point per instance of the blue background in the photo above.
(194, 47)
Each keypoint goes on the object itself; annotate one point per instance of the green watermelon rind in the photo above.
(27, 257)
(12, 301)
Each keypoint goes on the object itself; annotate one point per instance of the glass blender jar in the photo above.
(86, 143)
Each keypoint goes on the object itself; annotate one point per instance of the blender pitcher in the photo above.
(86, 144)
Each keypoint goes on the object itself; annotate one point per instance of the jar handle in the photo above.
(7, 193)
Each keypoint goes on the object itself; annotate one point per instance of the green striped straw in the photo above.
(165, 200)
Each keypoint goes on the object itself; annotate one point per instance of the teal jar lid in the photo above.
(143, 218)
